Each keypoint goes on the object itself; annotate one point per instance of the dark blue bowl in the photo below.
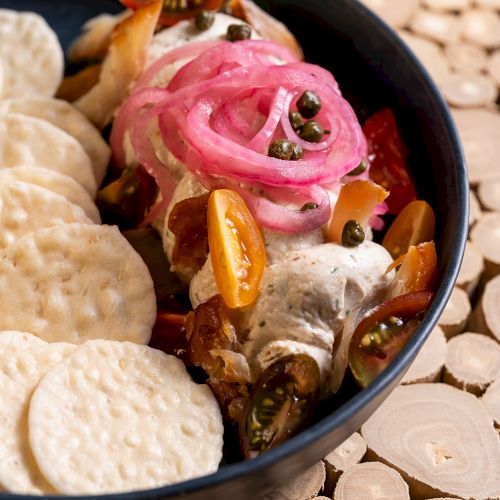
(375, 70)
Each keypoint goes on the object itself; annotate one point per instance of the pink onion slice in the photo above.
(219, 115)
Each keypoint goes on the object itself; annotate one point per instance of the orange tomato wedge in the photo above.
(236, 248)
(357, 200)
(415, 224)
(418, 270)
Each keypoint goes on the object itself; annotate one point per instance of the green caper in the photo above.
(358, 170)
(204, 20)
(352, 234)
(282, 149)
(238, 32)
(297, 152)
(312, 132)
(309, 104)
(296, 120)
(310, 205)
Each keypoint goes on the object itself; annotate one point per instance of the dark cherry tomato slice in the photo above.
(177, 10)
(281, 402)
(381, 336)
(169, 334)
(388, 154)
(126, 200)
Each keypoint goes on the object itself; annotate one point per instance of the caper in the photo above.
(310, 205)
(309, 104)
(352, 234)
(237, 32)
(296, 120)
(358, 170)
(283, 149)
(297, 152)
(312, 132)
(204, 20)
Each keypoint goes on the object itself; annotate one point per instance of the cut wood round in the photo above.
(428, 364)
(486, 237)
(440, 438)
(489, 195)
(442, 28)
(474, 208)
(307, 485)
(486, 316)
(447, 5)
(493, 4)
(494, 66)
(371, 481)
(471, 269)
(468, 90)
(472, 362)
(455, 314)
(482, 27)
(395, 13)
(466, 57)
(342, 458)
(478, 130)
(430, 54)
(491, 399)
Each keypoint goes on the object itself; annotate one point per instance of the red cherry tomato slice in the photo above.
(388, 154)
(381, 336)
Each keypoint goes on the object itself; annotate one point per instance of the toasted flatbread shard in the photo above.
(31, 142)
(61, 184)
(20, 373)
(66, 117)
(32, 58)
(25, 208)
(117, 416)
(76, 282)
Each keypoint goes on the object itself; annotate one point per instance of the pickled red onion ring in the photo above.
(221, 111)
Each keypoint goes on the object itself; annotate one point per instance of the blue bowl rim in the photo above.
(361, 399)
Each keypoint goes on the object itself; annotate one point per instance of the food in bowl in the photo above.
(260, 180)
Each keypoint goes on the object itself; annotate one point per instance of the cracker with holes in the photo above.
(116, 416)
(20, 373)
(61, 184)
(66, 117)
(76, 282)
(18, 341)
(31, 55)
(26, 208)
(27, 141)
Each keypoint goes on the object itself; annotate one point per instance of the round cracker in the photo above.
(31, 55)
(116, 416)
(20, 373)
(25, 208)
(77, 282)
(18, 341)
(28, 141)
(66, 117)
(61, 184)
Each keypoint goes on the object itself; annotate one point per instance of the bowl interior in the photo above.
(374, 71)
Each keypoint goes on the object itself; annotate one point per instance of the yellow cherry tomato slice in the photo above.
(236, 248)
(415, 224)
(418, 270)
(357, 201)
